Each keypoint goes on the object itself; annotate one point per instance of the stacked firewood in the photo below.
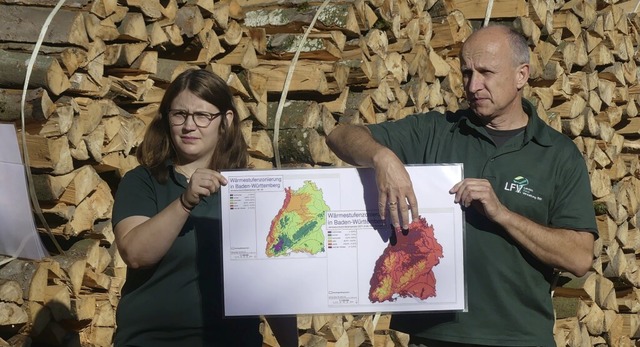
(104, 65)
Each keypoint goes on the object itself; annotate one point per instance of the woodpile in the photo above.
(104, 64)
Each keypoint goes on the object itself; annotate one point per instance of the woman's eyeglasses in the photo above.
(200, 118)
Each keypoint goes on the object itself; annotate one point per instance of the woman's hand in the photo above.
(202, 183)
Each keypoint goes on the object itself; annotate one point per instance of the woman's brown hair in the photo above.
(157, 148)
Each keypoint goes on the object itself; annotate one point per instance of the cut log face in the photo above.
(38, 105)
(46, 73)
(12, 314)
(51, 155)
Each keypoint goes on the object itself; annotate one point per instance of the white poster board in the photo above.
(18, 234)
(311, 241)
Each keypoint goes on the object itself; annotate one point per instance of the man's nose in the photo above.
(474, 83)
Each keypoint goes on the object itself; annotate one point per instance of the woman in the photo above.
(166, 220)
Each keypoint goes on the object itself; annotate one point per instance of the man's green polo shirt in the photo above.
(539, 174)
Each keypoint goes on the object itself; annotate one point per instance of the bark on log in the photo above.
(46, 73)
(67, 26)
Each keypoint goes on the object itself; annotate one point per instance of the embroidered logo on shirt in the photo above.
(519, 186)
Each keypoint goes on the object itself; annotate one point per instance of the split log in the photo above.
(189, 20)
(156, 35)
(32, 277)
(568, 22)
(103, 8)
(71, 58)
(243, 54)
(100, 28)
(58, 301)
(123, 54)
(257, 163)
(84, 84)
(260, 145)
(48, 155)
(325, 79)
(12, 315)
(173, 33)
(317, 46)
(132, 28)
(99, 336)
(339, 104)
(47, 3)
(85, 181)
(478, 9)
(335, 16)
(46, 73)
(91, 211)
(295, 114)
(150, 8)
(304, 146)
(450, 31)
(67, 26)
(206, 44)
(38, 105)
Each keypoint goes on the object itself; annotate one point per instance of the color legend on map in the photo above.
(242, 201)
(342, 239)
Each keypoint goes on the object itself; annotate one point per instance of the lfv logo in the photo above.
(516, 185)
(519, 185)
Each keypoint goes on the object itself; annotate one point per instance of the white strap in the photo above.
(32, 61)
(487, 14)
(287, 82)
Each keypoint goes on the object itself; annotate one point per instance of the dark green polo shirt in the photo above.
(178, 302)
(539, 174)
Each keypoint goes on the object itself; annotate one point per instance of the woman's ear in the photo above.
(228, 120)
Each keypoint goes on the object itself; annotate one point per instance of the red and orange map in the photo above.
(405, 269)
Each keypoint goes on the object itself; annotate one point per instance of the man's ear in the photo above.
(522, 75)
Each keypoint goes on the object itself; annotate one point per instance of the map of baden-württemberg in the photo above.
(298, 225)
(406, 268)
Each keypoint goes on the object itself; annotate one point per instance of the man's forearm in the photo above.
(550, 245)
(354, 144)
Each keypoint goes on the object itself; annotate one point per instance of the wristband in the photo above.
(184, 204)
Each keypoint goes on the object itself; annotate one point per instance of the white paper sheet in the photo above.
(18, 234)
(310, 241)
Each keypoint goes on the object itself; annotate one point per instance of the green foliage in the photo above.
(600, 208)
(303, 7)
(382, 24)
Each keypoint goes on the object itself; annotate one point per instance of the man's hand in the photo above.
(478, 193)
(395, 190)
(545, 243)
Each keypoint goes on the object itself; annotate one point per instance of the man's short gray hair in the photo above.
(519, 46)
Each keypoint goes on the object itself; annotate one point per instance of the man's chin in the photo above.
(482, 115)
(481, 112)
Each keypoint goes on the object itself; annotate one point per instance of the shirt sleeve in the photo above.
(573, 205)
(410, 137)
(135, 196)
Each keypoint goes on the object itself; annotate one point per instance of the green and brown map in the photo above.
(297, 227)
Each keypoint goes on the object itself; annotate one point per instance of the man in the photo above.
(526, 196)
